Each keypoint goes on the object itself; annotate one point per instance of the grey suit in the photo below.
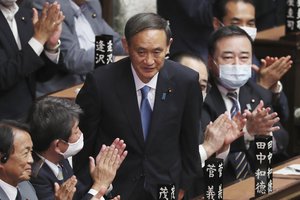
(78, 61)
(26, 190)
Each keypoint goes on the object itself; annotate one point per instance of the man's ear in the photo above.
(169, 45)
(125, 45)
(216, 23)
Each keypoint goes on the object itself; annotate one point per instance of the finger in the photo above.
(92, 164)
(56, 187)
(100, 156)
(255, 67)
(122, 157)
(35, 16)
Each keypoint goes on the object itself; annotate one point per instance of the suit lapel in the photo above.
(6, 31)
(164, 87)
(126, 91)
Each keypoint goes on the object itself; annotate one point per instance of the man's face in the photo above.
(239, 14)
(231, 50)
(18, 166)
(74, 137)
(147, 50)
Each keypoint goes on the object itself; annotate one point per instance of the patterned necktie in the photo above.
(235, 104)
(145, 110)
(237, 159)
(60, 175)
(18, 197)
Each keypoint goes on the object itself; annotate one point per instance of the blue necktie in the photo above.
(145, 110)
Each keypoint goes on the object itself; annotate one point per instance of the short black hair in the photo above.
(144, 21)
(223, 32)
(7, 137)
(219, 7)
(51, 118)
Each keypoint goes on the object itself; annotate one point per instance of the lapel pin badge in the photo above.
(164, 95)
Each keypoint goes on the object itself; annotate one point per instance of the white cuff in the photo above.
(203, 155)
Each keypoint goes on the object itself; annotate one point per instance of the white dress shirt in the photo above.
(139, 85)
(9, 14)
(10, 190)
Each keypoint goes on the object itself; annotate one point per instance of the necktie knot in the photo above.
(60, 175)
(232, 95)
(145, 90)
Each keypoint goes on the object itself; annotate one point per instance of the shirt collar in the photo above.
(10, 12)
(51, 165)
(139, 84)
(224, 91)
(10, 190)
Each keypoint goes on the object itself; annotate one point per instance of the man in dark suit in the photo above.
(27, 44)
(56, 137)
(190, 22)
(163, 146)
(229, 62)
(242, 13)
(15, 162)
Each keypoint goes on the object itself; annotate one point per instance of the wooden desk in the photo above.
(69, 93)
(284, 187)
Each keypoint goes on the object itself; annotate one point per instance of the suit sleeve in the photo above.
(88, 100)
(189, 136)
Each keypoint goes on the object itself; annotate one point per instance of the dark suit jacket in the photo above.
(26, 191)
(78, 61)
(250, 94)
(43, 180)
(190, 22)
(19, 69)
(170, 153)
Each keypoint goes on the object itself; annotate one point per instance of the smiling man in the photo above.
(151, 103)
(15, 162)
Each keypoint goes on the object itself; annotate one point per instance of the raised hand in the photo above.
(261, 121)
(272, 70)
(67, 190)
(47, 27)
(120, 145)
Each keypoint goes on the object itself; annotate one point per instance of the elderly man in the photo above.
(150, 102)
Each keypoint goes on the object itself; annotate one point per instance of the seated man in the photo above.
(56, 137)
(82, 23)
(196, 63)
(229, 63)
(15, 162)
(242, 13)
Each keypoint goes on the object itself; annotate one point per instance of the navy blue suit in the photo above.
(43, 180)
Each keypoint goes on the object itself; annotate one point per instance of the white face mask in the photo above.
(8, 3)
(234, 76)
(250, 31)
(74, 148)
